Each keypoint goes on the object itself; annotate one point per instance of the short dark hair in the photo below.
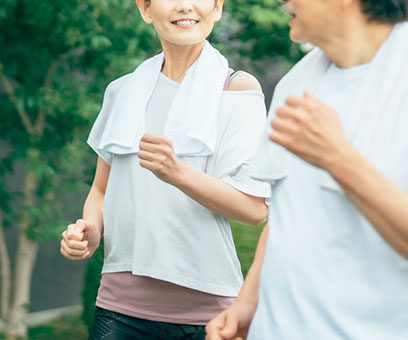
(385, 11)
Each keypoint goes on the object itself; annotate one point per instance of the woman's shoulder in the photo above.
(244, 81)
(243, 100)
(243, 90)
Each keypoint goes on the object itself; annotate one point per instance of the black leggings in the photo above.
(109, 325)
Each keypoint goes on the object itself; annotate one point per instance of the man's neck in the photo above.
(357, 44)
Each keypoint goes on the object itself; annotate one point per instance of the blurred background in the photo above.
(56, 58)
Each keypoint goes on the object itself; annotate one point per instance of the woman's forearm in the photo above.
(92, 210)
(220, 197)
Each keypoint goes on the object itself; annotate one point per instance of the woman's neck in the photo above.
(357, 44)
(178, 59)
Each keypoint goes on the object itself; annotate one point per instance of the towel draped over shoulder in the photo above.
(373, 114)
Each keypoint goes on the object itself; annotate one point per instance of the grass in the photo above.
(246, 239)
(64, 328)
(72, 327)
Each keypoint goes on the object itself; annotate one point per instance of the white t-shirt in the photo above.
(327, 274)
(153, 229)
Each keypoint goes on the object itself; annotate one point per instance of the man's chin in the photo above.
(297, 38)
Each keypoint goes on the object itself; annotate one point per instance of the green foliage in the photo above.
(258, 29)
(58, 56)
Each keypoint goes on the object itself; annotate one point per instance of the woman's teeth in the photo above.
(185, 22)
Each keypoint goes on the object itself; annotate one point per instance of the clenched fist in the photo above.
(80, 240)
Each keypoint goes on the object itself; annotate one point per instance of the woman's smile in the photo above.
(185, 23)
(181, 22)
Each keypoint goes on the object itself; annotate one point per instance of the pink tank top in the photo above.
(151, 299)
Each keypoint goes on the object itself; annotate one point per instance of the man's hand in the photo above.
(80, 240)
(309, 129)
(157, 155)
(233, 323)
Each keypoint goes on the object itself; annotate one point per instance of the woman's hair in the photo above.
(385, 11)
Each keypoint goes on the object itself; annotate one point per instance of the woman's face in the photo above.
(181, 22)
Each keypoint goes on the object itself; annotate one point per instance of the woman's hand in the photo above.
(233, 323)
(80, 240)
(157, 155)
(309, 129)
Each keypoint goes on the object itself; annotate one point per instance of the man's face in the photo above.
(313, 21)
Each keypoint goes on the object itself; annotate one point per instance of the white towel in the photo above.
(373, 112)
(192, 118)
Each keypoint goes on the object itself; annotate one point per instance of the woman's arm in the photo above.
(235, 321)
(92, 210)
(157, 155)
(220, 197)
(80, 240)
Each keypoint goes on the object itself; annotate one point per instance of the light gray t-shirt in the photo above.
(327, 273)
(153, 229)
(159, 104)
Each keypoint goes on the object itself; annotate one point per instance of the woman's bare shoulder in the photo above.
(244, 81)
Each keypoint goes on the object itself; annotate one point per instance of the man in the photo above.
(333, 262)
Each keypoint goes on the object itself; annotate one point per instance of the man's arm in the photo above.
(381, 201)
(235, 321)
(309, 129)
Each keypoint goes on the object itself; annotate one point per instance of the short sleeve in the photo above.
(99, 126)
(242, 119)
(270, 161)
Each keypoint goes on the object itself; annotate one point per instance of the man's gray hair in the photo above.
(385, 11)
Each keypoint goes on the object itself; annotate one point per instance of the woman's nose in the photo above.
(184, 5)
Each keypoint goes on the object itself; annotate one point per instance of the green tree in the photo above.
(257, 29)
(56, 57)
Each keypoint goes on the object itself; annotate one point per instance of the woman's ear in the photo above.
(218, 10)
(144, 9)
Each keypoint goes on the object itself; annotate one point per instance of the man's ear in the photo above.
(144, 9)
(218, 10)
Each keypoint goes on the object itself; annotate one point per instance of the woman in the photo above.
(174, 154)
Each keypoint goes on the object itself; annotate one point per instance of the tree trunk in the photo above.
(5, 272)
(26, 254)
